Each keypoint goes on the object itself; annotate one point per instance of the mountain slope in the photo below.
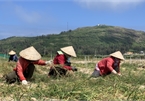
(87, 40)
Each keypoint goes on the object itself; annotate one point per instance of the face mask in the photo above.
(68, 59)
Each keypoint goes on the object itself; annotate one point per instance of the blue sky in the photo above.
(42, 17)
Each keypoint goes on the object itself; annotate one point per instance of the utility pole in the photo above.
(67, 26)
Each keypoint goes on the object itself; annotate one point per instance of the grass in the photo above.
(131, 86)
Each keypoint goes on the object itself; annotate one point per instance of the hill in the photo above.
(87, 40)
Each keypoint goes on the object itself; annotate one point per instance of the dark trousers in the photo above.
(57, 71)
(12, 77)
(116, 69)
(29, 71)
(97, 73)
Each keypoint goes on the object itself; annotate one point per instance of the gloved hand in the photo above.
(24, 82)
(74, 69)
(48, 62)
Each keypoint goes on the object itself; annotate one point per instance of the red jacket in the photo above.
(106, 65)
(22, 65)
(61, 59)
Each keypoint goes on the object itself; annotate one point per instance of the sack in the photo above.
(11, 77)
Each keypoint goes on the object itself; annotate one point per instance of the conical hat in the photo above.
(30, 53)
(118, 55)
(69, 50)
(12, 52)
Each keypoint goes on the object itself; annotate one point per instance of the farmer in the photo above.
(108, 65)
(25, 66)
(61, 62)
(13, 56)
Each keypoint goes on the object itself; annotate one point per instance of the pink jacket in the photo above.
(61, 59)
(106, 65)
(22, 65)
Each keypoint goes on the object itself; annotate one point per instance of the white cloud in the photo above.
(109, 4)
(27, 16)
(21, 13)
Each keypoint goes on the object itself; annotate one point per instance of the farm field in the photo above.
(77, 87)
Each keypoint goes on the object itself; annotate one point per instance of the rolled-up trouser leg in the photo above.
(11, 77)
(29, 72)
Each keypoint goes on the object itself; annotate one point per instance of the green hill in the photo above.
(87, 40)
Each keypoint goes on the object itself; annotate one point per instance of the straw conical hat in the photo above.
(12, 52)
(69, 50)
(30, 53)
(118, 55)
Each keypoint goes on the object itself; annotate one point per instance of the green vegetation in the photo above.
(100, 40)
(77, 87)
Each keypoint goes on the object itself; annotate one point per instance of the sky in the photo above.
(42, 17)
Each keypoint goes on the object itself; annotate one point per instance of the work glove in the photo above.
(48, 62)
(74, 69)
(24, 82)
